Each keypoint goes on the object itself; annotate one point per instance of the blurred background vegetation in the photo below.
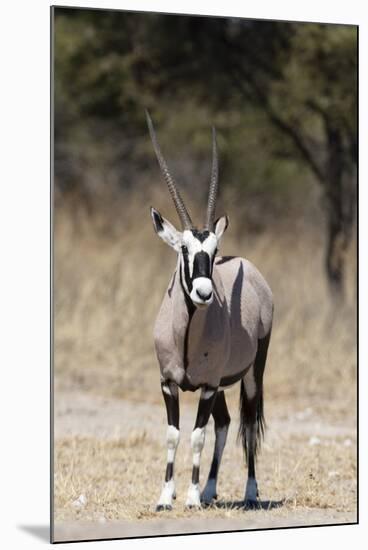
(283, 97)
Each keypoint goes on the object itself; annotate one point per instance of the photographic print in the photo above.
(204, 274)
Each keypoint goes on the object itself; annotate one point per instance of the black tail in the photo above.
(250, 412)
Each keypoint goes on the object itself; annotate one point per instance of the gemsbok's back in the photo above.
(212, 330)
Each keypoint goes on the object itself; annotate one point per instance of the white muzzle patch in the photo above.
(202, 291)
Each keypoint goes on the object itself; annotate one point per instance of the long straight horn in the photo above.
(212, 195)
(175, 195)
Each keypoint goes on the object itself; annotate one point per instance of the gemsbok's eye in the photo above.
(184, 249)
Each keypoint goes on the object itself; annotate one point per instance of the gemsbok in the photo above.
(212, 330)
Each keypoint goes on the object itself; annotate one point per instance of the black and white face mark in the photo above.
(197, 251)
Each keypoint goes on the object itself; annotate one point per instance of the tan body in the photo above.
(215, 345)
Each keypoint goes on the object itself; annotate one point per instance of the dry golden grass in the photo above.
(109, 281)
(121, 478)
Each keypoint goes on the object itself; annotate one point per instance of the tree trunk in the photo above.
(340, 195)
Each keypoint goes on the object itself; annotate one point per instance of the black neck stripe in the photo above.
(191, 309)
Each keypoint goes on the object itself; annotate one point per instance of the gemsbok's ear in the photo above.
(221, 226)
(166, 230)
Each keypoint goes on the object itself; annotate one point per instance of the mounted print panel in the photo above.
(204, 274)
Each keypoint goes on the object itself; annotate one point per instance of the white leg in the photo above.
(168, 490)
(197, 443)
(206, 402)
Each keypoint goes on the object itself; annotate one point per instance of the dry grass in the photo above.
(109, 282)
(116, 477)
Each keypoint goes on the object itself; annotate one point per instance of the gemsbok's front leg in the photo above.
(206, 402)
(171, 397)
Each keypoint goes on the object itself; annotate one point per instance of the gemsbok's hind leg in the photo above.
(221, 417)
(171, 397)
(206, 403)
(251, 417)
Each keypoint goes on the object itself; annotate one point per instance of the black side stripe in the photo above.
(229, 380)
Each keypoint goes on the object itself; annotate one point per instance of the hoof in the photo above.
(205, 504)
(252, 505)
(163, 507)
(194, 497)
(193, 506)
(207, 501)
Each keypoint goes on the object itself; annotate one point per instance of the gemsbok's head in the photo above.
(197, 248)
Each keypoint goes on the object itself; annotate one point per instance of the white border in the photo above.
(24, 218)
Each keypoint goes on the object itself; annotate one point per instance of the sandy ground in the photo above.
(83, 414)
(138, 430)
(253, 520)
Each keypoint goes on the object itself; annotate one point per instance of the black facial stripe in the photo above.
(201, 265)
(191, 309)
(188, 280)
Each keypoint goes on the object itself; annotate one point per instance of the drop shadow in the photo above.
(41, 532)
(241, 505)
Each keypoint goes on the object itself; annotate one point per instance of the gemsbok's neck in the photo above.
(189, 321)
(183, 309)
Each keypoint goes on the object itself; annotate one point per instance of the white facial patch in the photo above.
(202, 291)
(210, 244)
